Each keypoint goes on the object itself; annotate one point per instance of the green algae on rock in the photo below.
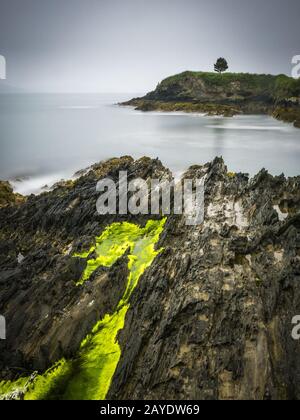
(109, 247)
(89, 374)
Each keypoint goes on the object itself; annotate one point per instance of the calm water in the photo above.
(44, 138)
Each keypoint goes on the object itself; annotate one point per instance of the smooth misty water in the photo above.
(45, 138)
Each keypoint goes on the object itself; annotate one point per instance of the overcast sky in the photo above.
(130, 45)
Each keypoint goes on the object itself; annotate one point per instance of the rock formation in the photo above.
(209, 319)
(227, 94)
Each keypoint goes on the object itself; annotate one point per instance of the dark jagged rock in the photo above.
(47, 315)
(210, 319)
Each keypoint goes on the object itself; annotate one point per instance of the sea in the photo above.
(45, 138)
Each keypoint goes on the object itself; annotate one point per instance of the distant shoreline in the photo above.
(226, 95)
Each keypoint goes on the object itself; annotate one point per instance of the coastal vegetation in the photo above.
(226, 94)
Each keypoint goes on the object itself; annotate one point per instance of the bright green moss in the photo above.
(8, 387)
(48, 385)
(89, 375)
(109, 247)
(98, 358)
(231, 174)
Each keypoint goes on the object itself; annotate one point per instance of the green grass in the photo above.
(279, 86)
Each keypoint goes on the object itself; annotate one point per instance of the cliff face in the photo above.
(209, 318)
(227, 94)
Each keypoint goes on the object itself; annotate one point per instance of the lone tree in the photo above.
(221, 65)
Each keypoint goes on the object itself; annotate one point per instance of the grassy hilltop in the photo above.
(226, 94)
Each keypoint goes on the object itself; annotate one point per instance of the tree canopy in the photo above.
(221, 65)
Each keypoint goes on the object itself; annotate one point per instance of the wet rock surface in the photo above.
(210, 319)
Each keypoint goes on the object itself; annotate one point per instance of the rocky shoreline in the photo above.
(225, 95)
(209, 319)
(188, 107)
